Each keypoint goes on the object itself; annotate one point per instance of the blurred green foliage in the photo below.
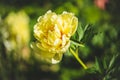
(98, 30)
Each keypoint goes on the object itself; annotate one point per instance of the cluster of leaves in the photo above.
(108, 69)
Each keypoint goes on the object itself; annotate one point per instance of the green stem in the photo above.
(78, 59)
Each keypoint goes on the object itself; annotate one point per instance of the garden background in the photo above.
(101, 51)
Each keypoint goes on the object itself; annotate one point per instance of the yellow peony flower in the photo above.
(53, 33)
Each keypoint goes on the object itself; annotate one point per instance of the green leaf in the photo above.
(99, 65)
(80, 32)
(114, 62)
(105, 64)
(89, 32)
(77, 43)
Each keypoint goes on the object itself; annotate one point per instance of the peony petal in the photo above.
(57, 58)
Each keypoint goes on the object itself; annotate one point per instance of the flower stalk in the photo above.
(78, 59)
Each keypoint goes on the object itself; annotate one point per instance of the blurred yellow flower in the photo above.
(19, 25)
(18, 34)
(53, 34)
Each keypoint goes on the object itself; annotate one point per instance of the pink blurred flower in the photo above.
(101, 3)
